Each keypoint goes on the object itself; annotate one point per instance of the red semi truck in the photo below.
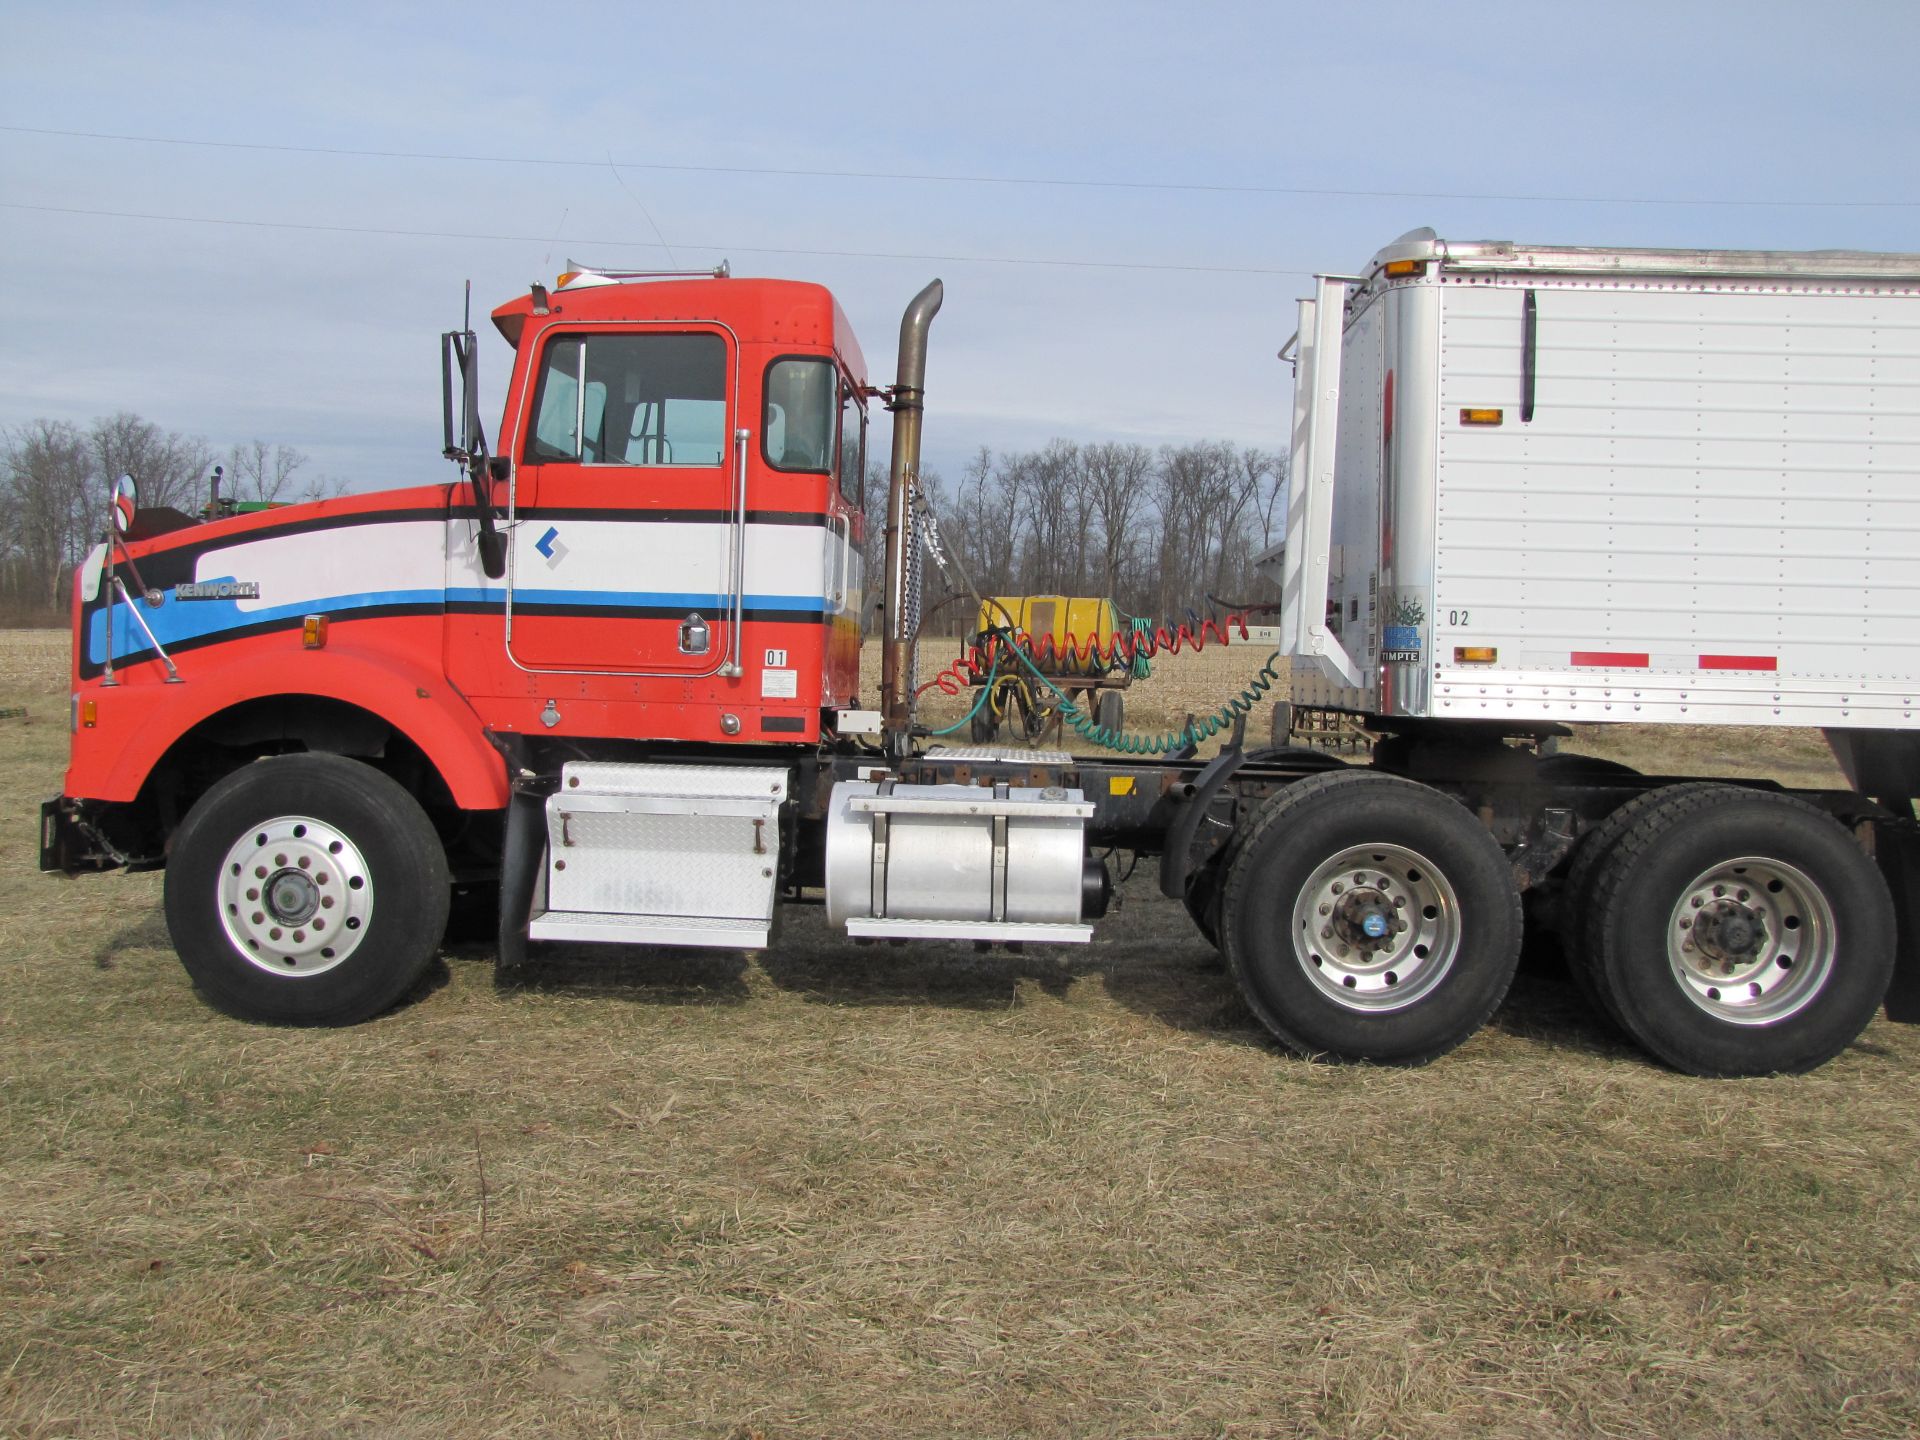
(614, 671)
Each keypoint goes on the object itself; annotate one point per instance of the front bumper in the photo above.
(68, 843)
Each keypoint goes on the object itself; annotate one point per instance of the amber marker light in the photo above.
(89, 714)
(1481, 417)
(313, 632)
(1475, 655)
(1401, 269)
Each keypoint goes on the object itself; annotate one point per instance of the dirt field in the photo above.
(849, 1191)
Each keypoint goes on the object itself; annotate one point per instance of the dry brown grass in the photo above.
(877, 1191)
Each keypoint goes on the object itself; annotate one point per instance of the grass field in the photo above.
(849, 1191)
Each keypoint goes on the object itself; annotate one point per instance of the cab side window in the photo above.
(631, 400)
(853, 445)
(798, 428)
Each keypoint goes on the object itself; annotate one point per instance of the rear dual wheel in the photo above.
(1366, 917)
(1734, 932)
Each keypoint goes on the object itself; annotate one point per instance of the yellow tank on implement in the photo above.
(1068, 635)
(1071, 639)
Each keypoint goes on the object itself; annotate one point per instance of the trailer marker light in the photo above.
(1397, 268)
(313, 632)
(1481, 417)
(1475, 654)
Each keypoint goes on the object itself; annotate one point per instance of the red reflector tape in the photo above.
(1739, 662)
(1613, 659)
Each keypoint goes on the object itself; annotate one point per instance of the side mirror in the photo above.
(125, 505)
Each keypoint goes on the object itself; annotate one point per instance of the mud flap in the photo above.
(520, 871)
(1176, 858)
(1897, 847)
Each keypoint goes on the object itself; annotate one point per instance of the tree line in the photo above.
(55, 477)
(1155, 531)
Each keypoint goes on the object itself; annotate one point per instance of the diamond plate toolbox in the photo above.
(665, 840)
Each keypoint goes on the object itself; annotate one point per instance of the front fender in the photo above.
(137, 723)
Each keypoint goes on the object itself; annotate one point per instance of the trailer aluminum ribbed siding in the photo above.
(1561, 484)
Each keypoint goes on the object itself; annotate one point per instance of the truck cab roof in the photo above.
(781, 312)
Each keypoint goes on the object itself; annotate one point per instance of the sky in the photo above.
(253, 221)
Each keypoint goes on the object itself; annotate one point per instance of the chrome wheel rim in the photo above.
(1751, 940)
(295, 896)
(1376, 927)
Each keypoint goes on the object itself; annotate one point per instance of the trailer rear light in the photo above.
(313, 632)
(1398, 269)
(1475, 655)
(1481, 417)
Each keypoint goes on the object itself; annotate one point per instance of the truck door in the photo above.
(628, 504)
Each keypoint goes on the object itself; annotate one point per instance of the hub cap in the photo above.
(295, 896)
(1376, 927)
(1751, 941)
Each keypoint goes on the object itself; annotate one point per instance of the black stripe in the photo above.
(660, 517)
(630, 612)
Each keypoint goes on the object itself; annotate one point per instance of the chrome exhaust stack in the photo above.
(900, 620)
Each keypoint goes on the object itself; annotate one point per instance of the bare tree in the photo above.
(1116, 479)
(170, 467)
(1273, 510)
(48, 470)
(262, 472)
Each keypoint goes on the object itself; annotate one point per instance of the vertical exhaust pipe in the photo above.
(908, 404)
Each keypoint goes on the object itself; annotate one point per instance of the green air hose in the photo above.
(986, 692)
(1141, 666)
(1202, 727)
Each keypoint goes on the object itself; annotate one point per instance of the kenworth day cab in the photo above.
(614, 668)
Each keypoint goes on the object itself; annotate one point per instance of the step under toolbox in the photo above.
(662, 855)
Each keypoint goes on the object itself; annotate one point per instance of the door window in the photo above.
(631, 400)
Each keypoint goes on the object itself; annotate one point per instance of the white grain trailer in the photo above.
(1538, 484)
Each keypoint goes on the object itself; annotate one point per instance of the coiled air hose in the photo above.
(1188, 736)
(1130, 649)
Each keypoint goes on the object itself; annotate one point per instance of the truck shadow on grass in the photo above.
(1147, 959)
(146, 931)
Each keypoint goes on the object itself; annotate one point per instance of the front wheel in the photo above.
(1739, 932)
(306, 890)
(1366, 917)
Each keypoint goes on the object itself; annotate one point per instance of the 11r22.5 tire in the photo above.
(1367, 917)
(306, 890)
(1739, 932)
